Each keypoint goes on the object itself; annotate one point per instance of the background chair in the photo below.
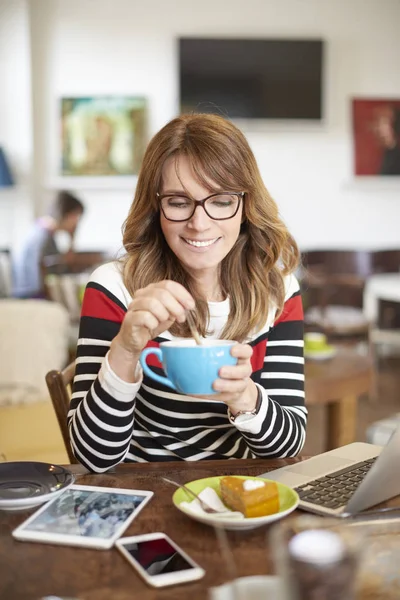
(386, 330)
(33, 339)
(65, 284)
(386, 261)
(67, 290)
(332, 283)
(59, 384)
(5, 273)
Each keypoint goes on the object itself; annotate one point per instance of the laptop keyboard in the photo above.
(336, 489)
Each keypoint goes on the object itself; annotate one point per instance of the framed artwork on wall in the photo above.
(102, 136)
(376, 136)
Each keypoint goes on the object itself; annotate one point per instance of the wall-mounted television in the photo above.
(252, 78)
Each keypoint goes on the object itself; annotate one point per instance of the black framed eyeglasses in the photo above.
(219, 206)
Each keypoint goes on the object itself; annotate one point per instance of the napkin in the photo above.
(210, 497)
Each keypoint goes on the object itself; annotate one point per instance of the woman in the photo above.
(202, 233)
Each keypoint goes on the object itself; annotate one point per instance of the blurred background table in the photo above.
(337, 383)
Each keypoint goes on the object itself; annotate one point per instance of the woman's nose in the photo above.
(199, 220)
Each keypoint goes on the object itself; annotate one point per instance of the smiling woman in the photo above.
(202, 233)
(199, 232)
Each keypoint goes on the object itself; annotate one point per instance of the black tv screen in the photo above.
(251, 78)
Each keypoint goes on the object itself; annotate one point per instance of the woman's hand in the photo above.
(234, 385)
(153, 310)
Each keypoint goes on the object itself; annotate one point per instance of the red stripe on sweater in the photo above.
(292, 310)
(257, 359)
(98, 305)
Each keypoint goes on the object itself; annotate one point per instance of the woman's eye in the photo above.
(221, 202)
(178, 202)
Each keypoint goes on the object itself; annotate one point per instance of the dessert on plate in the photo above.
(252, 497)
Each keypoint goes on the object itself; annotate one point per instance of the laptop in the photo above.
(345, 481)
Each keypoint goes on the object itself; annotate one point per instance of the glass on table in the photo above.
(316, 558)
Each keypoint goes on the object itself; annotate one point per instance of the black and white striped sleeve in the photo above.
(279, 429)
(101, 411)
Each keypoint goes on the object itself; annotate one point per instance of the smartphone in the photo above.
(158, 559)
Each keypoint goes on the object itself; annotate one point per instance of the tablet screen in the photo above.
(84, 515)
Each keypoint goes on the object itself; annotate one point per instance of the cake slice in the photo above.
(252, 497)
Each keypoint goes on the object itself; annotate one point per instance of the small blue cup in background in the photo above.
(191, 369)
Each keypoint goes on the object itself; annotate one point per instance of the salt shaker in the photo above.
(320, 567)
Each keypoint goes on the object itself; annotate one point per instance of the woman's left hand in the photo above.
(234, 385)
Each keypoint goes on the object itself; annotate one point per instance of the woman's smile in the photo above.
(200, 244)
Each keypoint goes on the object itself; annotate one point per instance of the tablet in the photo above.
(84, 515)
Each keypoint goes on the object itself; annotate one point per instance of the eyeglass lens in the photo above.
(220, 206)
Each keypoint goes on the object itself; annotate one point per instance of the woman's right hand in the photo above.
(153, 310)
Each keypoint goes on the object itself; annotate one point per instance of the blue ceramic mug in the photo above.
(191, 369)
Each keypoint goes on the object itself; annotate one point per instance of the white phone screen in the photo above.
(157, 556)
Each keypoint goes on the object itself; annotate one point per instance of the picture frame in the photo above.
(101, 137)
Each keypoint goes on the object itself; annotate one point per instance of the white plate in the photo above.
(287, 496)
(330, 352)
(256, 587)
(26, 484)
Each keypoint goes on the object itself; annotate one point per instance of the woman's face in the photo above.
(217, 237)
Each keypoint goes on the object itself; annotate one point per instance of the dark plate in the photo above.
(26, 484)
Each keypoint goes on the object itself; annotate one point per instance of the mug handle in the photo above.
(158, 352)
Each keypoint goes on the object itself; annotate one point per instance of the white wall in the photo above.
(129, 46)
(16, 207)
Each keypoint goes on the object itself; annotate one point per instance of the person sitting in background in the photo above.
(204, 233)
(27, 267)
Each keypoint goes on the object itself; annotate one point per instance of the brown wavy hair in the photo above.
(252, 272)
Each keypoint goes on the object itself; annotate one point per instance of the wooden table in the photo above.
(30, 570)
(337, 383)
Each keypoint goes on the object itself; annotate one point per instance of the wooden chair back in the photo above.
(58, 383)
(336, 276)
(386, 261)
(333, 278)
(355, 262)
(67, 290)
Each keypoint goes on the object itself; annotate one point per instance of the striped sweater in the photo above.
(112, 421)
